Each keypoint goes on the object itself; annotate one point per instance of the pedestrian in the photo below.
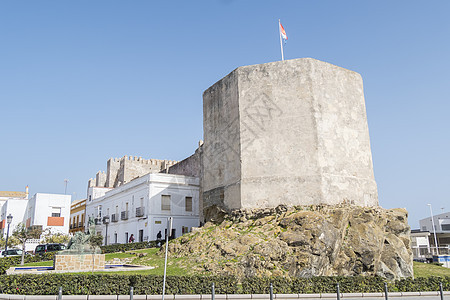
(158, 239)
(131, 240)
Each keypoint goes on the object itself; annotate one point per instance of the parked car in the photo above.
(13, 252)
(44, 248)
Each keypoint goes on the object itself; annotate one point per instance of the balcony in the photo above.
(124, 215)
(114, 218)
(98, 221)
(80, 224)
(140, 211)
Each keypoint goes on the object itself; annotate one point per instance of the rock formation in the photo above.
(301, 242)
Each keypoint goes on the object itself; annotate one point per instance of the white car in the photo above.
(13, 252)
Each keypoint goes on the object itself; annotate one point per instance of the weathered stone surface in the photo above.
(81, 262)
(302, 241)
(289, 132)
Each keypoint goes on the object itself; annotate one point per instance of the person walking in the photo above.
(131, 240)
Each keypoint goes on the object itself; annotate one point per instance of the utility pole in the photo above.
(434, 230)
(66, 181)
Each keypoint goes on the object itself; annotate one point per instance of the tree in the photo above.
(59, 238)
(96, 240)
(23, 235)
(11, 242)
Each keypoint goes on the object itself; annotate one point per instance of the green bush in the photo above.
(127, 247)
(112, 284)
(357, 284)
(7, 262)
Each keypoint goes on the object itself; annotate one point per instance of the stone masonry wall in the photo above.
(83, 262)
(292, 132)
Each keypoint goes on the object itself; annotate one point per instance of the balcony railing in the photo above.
(140, 211)
(424, 252)
(80, 224)
(114, 218)
(71, 226)
(98, 221)
(124, 215)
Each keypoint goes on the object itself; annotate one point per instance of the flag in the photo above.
(283, 32)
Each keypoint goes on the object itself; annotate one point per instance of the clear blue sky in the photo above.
(82, 81)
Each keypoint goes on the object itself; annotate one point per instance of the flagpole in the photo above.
(281, 39)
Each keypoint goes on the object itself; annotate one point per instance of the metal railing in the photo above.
(124, 215)
(428, 252)
(140, 211)
(114, 218)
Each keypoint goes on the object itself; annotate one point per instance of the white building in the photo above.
(420, 244)
(48, 212)
(15, 208)
(95, 192)
(141, 207)
(442, 227)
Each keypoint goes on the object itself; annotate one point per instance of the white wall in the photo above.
(15, 207)
(40, 208)
(439, 220)
(146, 191)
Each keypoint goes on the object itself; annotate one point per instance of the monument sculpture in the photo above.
(81, 254)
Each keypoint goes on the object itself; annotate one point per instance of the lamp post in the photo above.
(434, 230)
(106, 222)
(8, 220)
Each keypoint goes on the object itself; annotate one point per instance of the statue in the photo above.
(80, 243)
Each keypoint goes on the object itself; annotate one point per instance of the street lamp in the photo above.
(434, 230)
(8, 220)
(106, 222)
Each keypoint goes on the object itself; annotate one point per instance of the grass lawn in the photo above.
(48, 263)
(178, 267)
(427, 270)
(175, 266)
(111, 256)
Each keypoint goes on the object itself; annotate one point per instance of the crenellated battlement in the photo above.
(124, 169)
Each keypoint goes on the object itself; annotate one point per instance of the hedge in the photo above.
(7, 262)
(118, 284)
(113, 284)
(127, 247)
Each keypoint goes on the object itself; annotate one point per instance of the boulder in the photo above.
(320, 240)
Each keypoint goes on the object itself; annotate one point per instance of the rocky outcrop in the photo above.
(301, 242)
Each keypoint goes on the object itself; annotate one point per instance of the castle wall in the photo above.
(112, 168)
(190, 166)
(291, 132)
(100, 178)
(133, 167)
(221, 149)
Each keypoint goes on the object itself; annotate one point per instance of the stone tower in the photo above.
(288, 132)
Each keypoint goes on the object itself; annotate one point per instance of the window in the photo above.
(445, 227)
(56, 211)
(188, 203)
(424, 228)
(141, 235)
(165, 202)
(184, 229)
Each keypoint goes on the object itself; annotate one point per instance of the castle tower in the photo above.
(288, 132)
